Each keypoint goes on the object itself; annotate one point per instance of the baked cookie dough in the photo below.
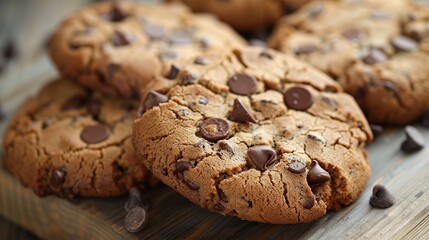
(256, 134)
(69, 141)
(245, 15)
(377, 50)
(117, 47)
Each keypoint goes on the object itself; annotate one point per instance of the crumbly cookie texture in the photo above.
(69, 141)
(377, 50)
(117, 47)
(257, 135)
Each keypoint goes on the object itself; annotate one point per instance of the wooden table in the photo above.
(172, 216)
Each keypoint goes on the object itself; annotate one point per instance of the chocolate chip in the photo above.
(112, 68)
(414, 140)
(353, 34)
(240, 113)
(316, 10)
(296, 165)
(94, 106)
(135, 220)
(317, 174)
(308, 202)
(73, 103)
(154, 31)
(381, 198)
(180, 38)
(219, 207)
(116, 14)
(95, 134)
(242, 84)
(201, 61)
(261, 157)
(266, 54)
(135, 199)
(189, 78)
(174, 71)
(10, 51)
(403, 43)
(203, 100)
(182, 166)
(375, 56)
(191, 184)
(222, 195)
(119, 39)
(377, 130)
(214, 129)
(169, 54)
(224, 146)
(57, 178)
(153, 99)
(298, 98)
(164, 171)
(306, 49)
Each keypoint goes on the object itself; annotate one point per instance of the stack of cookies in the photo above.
(153, 92)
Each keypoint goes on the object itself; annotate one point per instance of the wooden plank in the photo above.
(172, 216)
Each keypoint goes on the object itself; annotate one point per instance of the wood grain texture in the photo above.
(171, 216)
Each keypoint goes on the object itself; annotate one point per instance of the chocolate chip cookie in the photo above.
(69, 141)
(377, 50)
(246, 15)
(117, 47)
(256, 134)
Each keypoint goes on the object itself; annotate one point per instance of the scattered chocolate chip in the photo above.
(174, 71)
(316, 10)
(164, 171)
(298, 98)
(414, 140)
(306, 49)
(296, 165)
(203, 100)
(169, 54)
(191, 184)
(94, 106)
(201, 61)
(240, 113)
(242, 84)
(261, 157)
(219, 207)
(120, 39)
(112, 68)
(425, 119)
(353, 34)
(317, 174)
(153, 99)
(381, 198)
(403, 43)
(214, 129)
(266, 54)
(73, 103)
(182, 166)
(95, 134)
(375, 56)
(116, 14)
(205, 43)
(58, 177)
(135, 199)
(189, 78)
(224, 146)
(377, 130)
(308, 202)
(135, 219)
(180, 38)
(10, 51)
(154, 31)
(222, 195)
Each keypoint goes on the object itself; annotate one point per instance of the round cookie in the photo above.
(69, 141)
(377, 50)
(118, 47)
(258, 135)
